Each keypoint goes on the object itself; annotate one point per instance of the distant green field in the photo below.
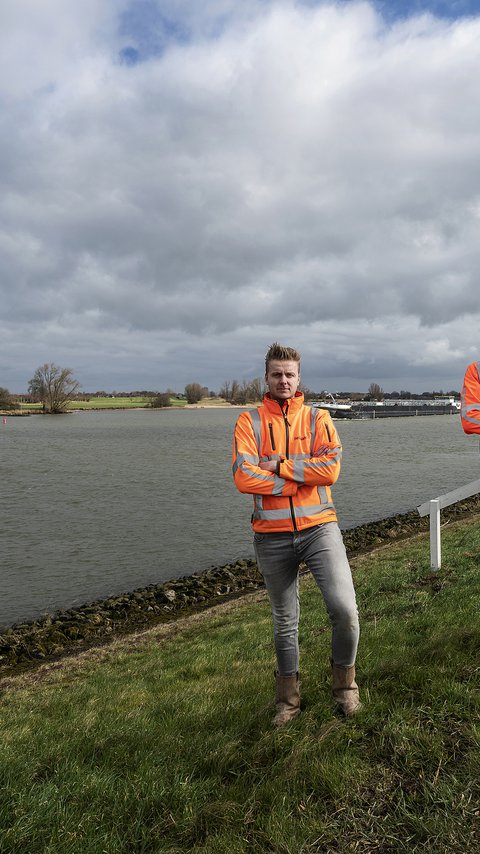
(111, 403)
(106, 403)
(122, 403)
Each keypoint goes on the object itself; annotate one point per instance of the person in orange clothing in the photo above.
(470, 398)
(287, 455)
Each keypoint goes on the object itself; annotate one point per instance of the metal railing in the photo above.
(434, 506)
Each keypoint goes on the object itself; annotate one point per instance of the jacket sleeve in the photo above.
(470, 398)
(247, 475)
(323, 468)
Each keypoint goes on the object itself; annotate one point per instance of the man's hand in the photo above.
(321, 451)
(268, 465)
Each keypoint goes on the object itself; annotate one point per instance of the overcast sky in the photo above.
(183, 183)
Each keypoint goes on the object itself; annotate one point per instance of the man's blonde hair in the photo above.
(280, 353)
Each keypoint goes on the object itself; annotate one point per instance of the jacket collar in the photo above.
(294, 404)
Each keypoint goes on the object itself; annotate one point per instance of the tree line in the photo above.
(248, 391)
(54, 387)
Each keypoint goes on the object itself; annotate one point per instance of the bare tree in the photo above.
(193, 392)
(225, 391)
(242, 393)
(257, 389)
(308, 394)
(53, 386)
(248, 391)
(6, 400)
(375, 392)
(234, 391)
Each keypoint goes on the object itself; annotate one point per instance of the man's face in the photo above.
(282, 379)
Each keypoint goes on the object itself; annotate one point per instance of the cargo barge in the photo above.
(360, 410)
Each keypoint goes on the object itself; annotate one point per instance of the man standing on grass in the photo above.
(287, 455)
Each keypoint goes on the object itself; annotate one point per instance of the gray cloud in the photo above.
(308, 172)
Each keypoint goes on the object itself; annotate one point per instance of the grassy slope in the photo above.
(165, 745)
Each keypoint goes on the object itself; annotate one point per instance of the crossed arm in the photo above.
(271, 465)
(283, 477)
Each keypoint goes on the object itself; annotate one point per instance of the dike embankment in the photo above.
(25, 645)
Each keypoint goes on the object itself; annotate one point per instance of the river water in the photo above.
(98, 503)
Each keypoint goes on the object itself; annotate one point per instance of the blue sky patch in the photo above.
(144, 26)
(450, 9)
(148, 30)
(129, 56)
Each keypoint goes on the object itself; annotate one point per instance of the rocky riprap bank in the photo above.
(25, 644)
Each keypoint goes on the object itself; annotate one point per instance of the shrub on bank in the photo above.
(161, 400)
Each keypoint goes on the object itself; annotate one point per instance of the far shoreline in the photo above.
(15, 413)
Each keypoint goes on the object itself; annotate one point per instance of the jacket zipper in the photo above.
(270, 427)
(287, 443)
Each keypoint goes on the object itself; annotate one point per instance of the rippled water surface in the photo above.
(97, 503)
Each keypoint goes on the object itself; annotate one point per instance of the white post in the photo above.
(435, 542)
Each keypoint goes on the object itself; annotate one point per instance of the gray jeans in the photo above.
(322, 550)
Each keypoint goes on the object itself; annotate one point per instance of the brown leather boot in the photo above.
(345, 689)
(287, 699)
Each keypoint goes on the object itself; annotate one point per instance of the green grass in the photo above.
(121, 403)
(166, 745)
(105, 403)
(111, 403)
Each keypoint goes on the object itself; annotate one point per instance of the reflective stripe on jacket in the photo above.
(471, 399)
(303, 441)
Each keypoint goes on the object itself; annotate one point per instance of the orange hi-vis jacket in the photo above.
(471, 399)
(305, 445)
